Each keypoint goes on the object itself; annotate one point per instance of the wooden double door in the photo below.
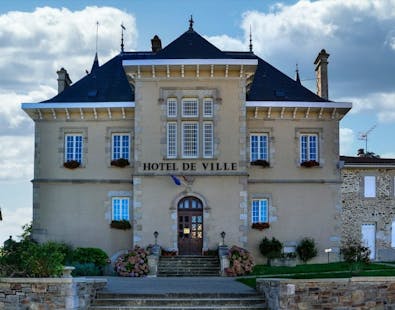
(190, 226)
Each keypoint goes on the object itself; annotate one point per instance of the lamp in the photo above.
(156, 236)
(223, 234)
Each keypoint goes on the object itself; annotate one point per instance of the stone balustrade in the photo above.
(48, 293)
(354, 293)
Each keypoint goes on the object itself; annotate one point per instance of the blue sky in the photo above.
(39, 37)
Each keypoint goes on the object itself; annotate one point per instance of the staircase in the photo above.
(178, 301)
(188, 266)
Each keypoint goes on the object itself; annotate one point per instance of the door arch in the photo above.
(190, 226)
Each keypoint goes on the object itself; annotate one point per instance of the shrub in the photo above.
(241, 262)
(86, 269)
(355, 252)
(90, 255)
(306, 249)
(43, 260)
(132, 264)
(270, 248)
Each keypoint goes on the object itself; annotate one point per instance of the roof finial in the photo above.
(123, 28)
(97, 33)
(250, 39)
(297, 74)
(191, 23)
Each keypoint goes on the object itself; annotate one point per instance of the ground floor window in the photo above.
(260, 211)
(120, 208)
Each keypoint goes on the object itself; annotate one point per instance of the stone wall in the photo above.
(341, 294)
(48, 293)
(358, 210)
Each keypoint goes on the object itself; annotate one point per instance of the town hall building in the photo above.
(188, 141)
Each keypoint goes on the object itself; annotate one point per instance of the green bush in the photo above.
(355, 252)
(306, 249)
(43, 260)
(86, 269)
(270, 248)
(90, 255)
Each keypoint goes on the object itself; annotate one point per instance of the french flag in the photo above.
(176, 180)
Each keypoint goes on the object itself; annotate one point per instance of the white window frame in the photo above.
(171, 107)
(123, 214)
(75, 151)
(208, 139)
(369, 186)
(184, 107)
(265, 155)
(262, 213)
(393, 234)
(196, 142)
(122, 136)
(208, 107)
(309, 155)
(171, 140)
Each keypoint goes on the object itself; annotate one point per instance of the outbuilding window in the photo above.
(369, 186)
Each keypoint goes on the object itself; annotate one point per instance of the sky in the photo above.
(37, 38)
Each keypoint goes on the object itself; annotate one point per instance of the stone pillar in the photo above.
(321, 70)
(63, 80)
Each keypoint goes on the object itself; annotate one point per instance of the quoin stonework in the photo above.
(189, 141)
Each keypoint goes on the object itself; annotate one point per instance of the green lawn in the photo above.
(317, 271)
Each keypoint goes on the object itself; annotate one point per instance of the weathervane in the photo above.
(123, 28)
(250, 39)
(191, 23)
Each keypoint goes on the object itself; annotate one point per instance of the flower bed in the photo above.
(241, 262)
(133, 264)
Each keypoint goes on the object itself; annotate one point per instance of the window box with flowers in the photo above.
(120, 162)
(122, 224)
(260, 226)
(260, 162)
(71, 164)
(309, 163)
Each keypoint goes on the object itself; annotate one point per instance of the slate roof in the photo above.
(108, 82)
(367, 160)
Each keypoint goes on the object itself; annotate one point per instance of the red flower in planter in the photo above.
(71, 164)
(260, 226)
(309, 163)
(120, 162)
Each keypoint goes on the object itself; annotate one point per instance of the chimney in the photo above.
(63, 80)
(156, 44)
(321, 70)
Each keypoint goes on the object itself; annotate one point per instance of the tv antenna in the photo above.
(364, 136)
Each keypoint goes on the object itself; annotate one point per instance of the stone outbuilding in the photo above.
(368, 199)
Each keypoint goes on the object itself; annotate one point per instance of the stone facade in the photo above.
(378, 211)
(336, 294)
(48, 293)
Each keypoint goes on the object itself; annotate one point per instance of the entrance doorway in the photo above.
(369, 238)
(190, 226)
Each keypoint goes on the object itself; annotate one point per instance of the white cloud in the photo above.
(383, 104)
(388, 155)
(347, 137)
(12, 223)
(34, 45)
(16, 157)
(227, 43)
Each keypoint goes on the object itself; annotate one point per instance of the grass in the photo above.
(317, 271)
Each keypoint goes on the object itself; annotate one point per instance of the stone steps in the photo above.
(177, 301)
(188, 266)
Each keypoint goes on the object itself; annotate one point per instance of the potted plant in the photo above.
(260, 162)
(270, 249)
(122, 224)
(309, 163)
(71, 164)
(260, 225)
(120, 162)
